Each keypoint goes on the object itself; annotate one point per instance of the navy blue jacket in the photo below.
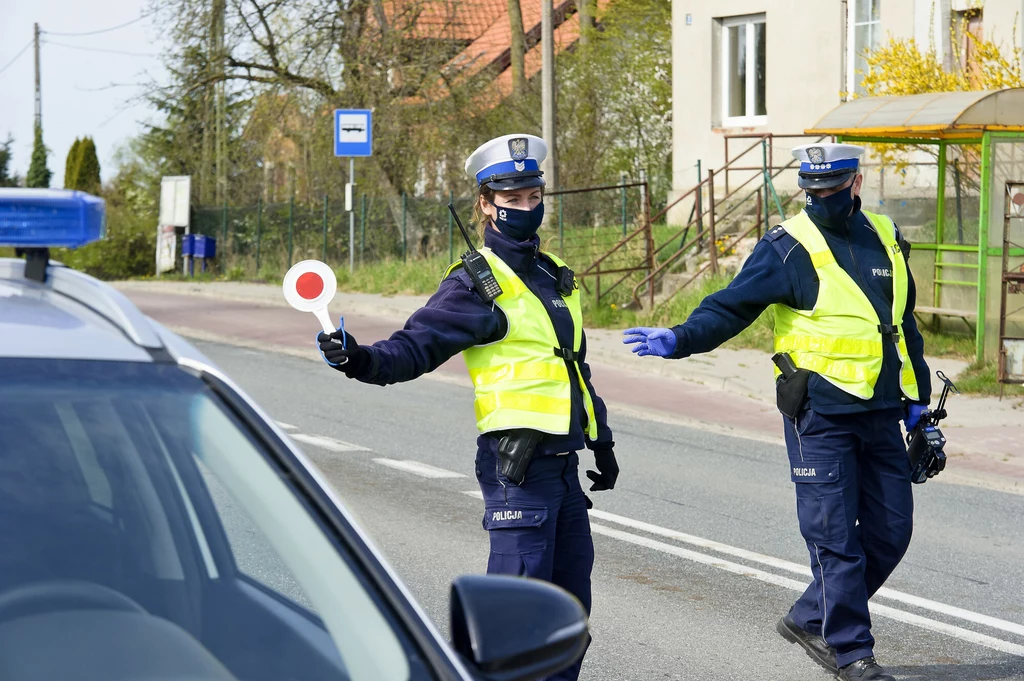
(456, 318)
(779, 270)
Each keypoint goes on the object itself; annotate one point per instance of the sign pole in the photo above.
(353, 136)
(351, 215)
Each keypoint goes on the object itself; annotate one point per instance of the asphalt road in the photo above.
(698, 550)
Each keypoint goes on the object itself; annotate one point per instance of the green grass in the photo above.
(955, 346)
(982, 380)
(758, 335)
(394, 277)
(422, 276)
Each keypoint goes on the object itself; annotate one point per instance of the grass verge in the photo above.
(421, 277)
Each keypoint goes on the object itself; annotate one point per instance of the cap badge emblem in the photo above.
(518, 148)
(816, 154)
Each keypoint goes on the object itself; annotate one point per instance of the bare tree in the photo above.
(347, 53)
(518, 51)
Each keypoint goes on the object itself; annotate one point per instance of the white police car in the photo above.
(155, 524)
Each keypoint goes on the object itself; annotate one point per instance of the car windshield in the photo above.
(146, 534)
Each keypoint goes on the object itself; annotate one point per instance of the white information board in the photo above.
(166, 247)
(174, 200)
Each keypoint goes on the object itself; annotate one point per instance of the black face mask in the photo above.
(831, 210)
(518, 224)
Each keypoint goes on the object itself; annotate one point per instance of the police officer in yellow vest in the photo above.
(837, 280)
(526, 354)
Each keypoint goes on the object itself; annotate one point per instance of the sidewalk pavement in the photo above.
(726, 391)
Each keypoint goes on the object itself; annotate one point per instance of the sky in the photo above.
(76, 93)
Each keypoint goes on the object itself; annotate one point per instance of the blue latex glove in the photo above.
(650, 341)
(914, 412)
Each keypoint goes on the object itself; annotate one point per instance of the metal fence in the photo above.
(264, 240)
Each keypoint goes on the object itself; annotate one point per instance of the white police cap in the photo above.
(508, 162)
(826, 165)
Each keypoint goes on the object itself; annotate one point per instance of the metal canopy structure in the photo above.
(951, 121)
(934, 116)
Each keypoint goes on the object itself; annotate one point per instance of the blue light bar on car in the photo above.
(50, 218)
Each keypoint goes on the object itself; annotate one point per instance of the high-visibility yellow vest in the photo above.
(840, 339)
(519, 381)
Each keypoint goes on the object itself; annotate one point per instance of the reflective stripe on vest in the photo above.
(519, 381)
(840, 338)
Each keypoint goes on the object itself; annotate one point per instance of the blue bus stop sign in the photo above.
(353, 132)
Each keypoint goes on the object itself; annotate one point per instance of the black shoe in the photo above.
(815, 646)
(864, 670)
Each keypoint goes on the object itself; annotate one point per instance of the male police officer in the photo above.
(843, 298)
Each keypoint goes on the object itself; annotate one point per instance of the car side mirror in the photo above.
(515, 628)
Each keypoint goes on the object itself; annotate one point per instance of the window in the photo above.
(865, 31)
(966, 30)
(743, 71)
(134, 480)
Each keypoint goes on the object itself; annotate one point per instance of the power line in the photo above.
(100, 49)
(111, 86)
(11, 62)
(103, 30)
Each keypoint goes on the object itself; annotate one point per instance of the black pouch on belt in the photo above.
(515, 451)
(791, 387)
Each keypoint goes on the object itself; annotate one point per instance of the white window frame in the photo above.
(749, 119)
(874, 34)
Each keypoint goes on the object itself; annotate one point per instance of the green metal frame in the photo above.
(940, 226)
(986, 196)
(983, 251)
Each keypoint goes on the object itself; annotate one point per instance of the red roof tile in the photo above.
(492, 48)
(462, 20)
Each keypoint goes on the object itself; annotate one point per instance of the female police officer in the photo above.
(843, 296)
(535, 405)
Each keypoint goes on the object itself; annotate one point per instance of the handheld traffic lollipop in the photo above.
(309, 286)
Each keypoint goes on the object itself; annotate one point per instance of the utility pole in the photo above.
(586, 17)
(550, 165)
(39, 92)
(220, 123)
(213, 170)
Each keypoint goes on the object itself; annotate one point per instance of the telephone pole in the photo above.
(39, 93)
(220, 143)
(550, 165)
(213, 166)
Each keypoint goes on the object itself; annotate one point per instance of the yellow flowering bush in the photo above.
(901, 67)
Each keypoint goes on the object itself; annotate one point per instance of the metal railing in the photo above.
(767, 172)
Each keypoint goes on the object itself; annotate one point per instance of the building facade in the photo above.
(777, 66)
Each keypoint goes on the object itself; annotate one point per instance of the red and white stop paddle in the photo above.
(309, 286)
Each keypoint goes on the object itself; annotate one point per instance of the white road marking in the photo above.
(286, 426)
(328, 443)
(754, 557)
(428, 471)
(786, 582)
(422, 469)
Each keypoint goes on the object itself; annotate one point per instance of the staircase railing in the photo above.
(767, 173)
(646, 229)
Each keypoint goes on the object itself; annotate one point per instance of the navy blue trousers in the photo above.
(540, 528)
(855, 506)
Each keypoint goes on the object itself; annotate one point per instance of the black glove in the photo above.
(341, 351)
(604, 457)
